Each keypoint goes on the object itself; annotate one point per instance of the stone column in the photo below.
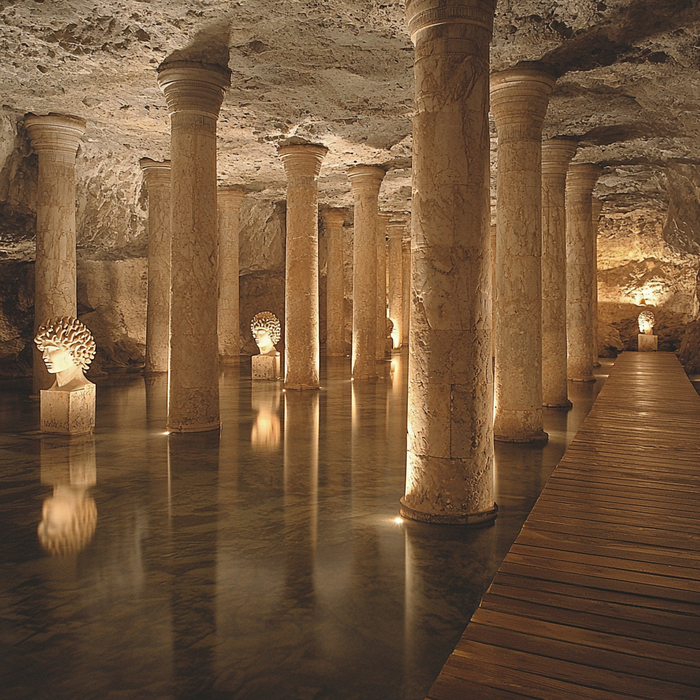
(229, 201)
(580, 247)
(194, 93)
(519, 98)
(395, 231)
(365, 181)
(302, 164)
(596, 208)
(449, 470)
(55, 138)
(333, 220)
(382, 223)
(157, 177)
(556, 155)
(406, 288)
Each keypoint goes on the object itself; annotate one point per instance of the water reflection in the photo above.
(69, 516)
(265, 401)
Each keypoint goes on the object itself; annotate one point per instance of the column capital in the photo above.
(556, 156)
(232, 195)
(192, 87)
(55, 132)
(426, 14)
(302, 160)
(333, 217)
(366, 178)
(520, 95)
(396, 229)
(155, 172)
(384, 217)
(582, 177)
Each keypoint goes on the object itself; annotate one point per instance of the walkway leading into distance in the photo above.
(599, 596)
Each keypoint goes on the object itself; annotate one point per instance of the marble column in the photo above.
(157, 177)
(382, 223)
(395, 231)
(55, 138)
(519, 98)
(580, 248)
(194, 93)
(365, 181)
(596, 208)
(333, 220)
(229, 201)
(406, 289)
(556, 156)
(302, 164)
(449, 470)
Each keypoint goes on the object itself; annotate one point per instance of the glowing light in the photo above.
(398, 520)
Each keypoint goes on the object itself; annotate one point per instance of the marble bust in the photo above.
(266, 331)
(68, 348)
(646, 322)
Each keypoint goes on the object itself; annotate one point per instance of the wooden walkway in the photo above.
(599, 597)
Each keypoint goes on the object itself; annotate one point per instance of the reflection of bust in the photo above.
(68, 348)
(266, 331)
(69, 520)
(646, 322)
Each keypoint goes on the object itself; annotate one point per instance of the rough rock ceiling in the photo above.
(337, 72)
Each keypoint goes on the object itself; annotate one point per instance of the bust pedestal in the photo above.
(647, 343)
(68, 412)
(266, 367)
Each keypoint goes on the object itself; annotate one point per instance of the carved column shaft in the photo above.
(365, 181)
(580, 250)
(556, 155)
(406, 288)
(519, 98)
(229, 200)
(596, 208)
(56, 139)
(395, 231)
(302, 164)
(194, 93)
(449, 470)
(333, 220)
(382, 223)
(157, 177)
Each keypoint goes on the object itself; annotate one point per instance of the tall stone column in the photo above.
(580, 248)
(596, 208)
(302, 164)
(449, 470)
(157, 177)
(519, 98)
(365, 181)
(194, 93)
(229, 201)
(55, 138)
(406, 288)
(556, 156)
(395, 231)
(333, 220)
(382, 223)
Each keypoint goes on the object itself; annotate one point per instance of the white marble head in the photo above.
(646, 322)
(68, 348)
(265, 327)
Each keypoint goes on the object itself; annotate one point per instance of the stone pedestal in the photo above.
(333, 220)
(647, 343)
(365, 181)
(68, 412)
(519, 98)
(302, 164)
(266, 367)
(229, 200)
(556, 156)
(157, 177)
(449, 470)
(395, 231)
(406, 288)
(580, 253)
(55, 138)
(194, 93)
(382, 223)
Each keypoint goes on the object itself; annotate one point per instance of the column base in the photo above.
(373, 379)
(537, 438)
(582, 379)
(301, 387)
(470, 519)
(156, 372)
(560, 404)
(182, 429)
(230, 359)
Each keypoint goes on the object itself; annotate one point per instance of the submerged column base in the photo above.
(482, 518)
(559, 404)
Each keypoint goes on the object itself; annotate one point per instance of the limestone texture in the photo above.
(68, 412)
